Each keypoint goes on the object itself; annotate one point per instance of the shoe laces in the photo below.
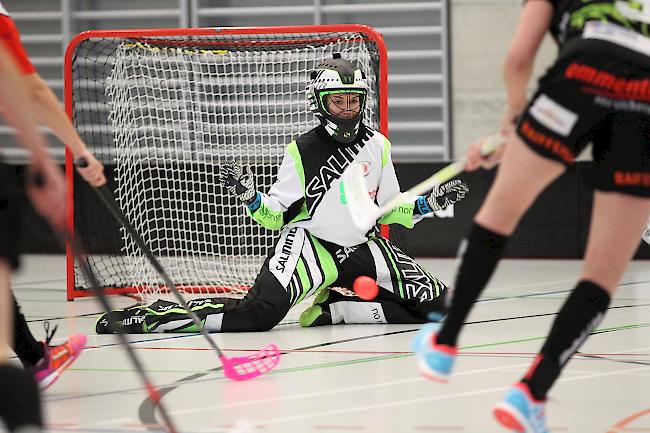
(49, 335)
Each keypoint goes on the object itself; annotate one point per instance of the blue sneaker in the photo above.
(435, 360)
(423, 334)
(521, 412)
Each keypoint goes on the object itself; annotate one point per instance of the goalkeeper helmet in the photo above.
(333, 77)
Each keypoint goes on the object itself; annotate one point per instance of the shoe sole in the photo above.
(509, 417)
(432, 374)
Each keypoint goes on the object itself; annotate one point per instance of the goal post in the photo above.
(162, 109)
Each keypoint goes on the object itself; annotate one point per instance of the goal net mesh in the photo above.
(163, 114)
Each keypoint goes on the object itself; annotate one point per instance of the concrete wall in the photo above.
(481, 34)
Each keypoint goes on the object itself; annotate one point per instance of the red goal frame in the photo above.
(370, 32)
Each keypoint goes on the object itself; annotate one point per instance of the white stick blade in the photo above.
(363, 210)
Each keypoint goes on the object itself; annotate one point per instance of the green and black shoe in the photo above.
(132, 320)
(319, 313)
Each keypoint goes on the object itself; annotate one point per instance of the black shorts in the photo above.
(10, 203)
(590, 96)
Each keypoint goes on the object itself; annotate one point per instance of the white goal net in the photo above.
(164, 113)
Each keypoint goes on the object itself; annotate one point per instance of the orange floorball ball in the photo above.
(366, 288)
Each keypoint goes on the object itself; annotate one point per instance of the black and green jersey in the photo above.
(309, 192)
(601, 19)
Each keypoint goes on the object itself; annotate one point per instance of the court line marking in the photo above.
(622, 425)
(427, 399)
(193, 377)
(181, 381)
(363, 388)
(319, 393)
(500, 298)
(367, 352)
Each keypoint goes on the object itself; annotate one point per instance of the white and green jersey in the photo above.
(309, 192)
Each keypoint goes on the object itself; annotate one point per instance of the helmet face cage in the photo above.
(337, 76)
(321, 94)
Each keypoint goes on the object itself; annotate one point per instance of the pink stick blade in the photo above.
(249, 367)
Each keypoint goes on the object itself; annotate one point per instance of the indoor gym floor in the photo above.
(355, 378)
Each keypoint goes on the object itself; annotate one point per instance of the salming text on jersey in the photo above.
(329, 172)
(285, 253)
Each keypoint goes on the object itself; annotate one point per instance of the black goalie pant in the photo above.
(299, 266)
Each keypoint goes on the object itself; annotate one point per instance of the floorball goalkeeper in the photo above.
(319, 246)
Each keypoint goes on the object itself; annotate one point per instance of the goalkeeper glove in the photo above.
(441, 197)
(239, 181)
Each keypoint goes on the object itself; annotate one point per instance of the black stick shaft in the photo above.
(153, 392)
(107, 198)
(37, 181)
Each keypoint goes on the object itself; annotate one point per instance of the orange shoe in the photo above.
(56, 359)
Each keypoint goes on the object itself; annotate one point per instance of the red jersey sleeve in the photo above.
(10, 37)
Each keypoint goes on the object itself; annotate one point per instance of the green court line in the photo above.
(620, 328)
(375, 358)
(559, 298)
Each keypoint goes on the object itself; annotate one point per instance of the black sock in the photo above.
(578, 317)
(29, 350)
(482, 254)
(19, 400)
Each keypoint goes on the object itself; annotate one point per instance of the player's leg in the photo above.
(19, 399)
(619, 214)
(20, 406)
(44, 361)
(540, 150)
(6, 311)
(608, 254)
(339, 305)
(407, 292)
(29, 350)
(522, 176)
(297, 267)
(512, 193)
(263, 307)
(620, 174)
(8, 253)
